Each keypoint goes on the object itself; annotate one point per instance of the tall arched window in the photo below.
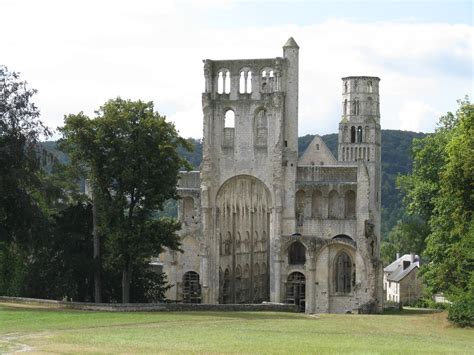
(333, 211)
(350, 204)
(343, 275)
(220, 83)
(238, 284)
(345, 87)
(227, 83)
(299, 207)
(353, 134)
(229, 119)
(261, 128)
(345, 107)
(316, 204)
(296, 254)
(188, 209)
(359, 134)
(226, 292)
(355, 107)
(369, 87)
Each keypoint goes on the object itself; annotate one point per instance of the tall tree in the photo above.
(441, 190)
(130, 154)
(20, 130)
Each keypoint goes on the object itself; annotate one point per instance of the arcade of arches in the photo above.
(243, 225)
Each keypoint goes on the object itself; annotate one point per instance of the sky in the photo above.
(79, 54)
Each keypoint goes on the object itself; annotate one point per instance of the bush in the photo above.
(461, 311)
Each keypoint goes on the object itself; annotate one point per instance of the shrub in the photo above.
(461, 311)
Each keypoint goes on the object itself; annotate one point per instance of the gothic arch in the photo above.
(243, 207)
(344, 273)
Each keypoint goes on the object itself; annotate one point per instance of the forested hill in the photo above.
(396, 159)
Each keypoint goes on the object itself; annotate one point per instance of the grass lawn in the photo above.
(48, 330)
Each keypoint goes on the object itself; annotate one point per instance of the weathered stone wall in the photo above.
(153, 307)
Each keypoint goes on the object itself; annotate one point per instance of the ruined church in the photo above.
(262, 221)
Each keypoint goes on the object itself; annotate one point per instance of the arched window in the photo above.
(345, 134)
(242, 83)
(229, 119)
(220, 83)
(245, 81)
(227, 83)
(299, 207)
(345, 87)
(333, 211)
(188, 209)
(359, 134)
(226, 294)
(249, 82)
(296, 254)
(316, 204)
(353, 134)
(191, 287)
(355, 107)
(343, 275)
(345, 107)
(369, 87)
(229, 124)
(238, 244)
(256, 283)
(261, 128)
(246, 284)
(238, 284)
(350, 204)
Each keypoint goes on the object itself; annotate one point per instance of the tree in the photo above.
(407, 236)
(20, 130)
(441, 190)
(129, 153)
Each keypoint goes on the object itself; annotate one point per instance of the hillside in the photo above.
(396, 159)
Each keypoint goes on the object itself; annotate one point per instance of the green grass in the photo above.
(47, 330)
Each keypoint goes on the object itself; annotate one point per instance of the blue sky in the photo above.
(79, 54)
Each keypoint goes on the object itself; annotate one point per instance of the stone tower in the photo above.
(360, 142)
(250, 150)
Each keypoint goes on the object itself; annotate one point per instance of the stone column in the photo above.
(311, 272)
(275, 259)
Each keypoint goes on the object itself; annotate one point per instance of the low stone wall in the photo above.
(154, 307)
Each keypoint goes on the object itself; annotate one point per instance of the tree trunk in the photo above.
(126, 278)
(96, 258)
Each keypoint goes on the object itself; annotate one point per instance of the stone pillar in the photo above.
(275, 259)
(310, 286)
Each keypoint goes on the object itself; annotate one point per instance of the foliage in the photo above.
(440, 189)
(461, 311)
(20, 130)
(408, 236)
(130, 155)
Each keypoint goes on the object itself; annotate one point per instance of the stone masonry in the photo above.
(261, 222)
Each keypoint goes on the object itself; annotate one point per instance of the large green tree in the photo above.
(441, 190)
(21, 218)
(130, 155)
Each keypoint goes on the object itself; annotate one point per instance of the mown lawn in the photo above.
(49, 330)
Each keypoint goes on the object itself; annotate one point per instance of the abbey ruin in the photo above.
(261, 222)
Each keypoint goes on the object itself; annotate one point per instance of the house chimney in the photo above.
(412, 257)
(398, 256)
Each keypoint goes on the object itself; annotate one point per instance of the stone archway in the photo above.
(243, 206)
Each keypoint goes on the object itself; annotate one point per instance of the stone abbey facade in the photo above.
(261, 222)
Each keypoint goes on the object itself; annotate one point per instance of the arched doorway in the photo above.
(191, 288)
(296, 289)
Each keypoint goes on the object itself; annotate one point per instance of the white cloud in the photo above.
(415, 116)
(79, 54)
